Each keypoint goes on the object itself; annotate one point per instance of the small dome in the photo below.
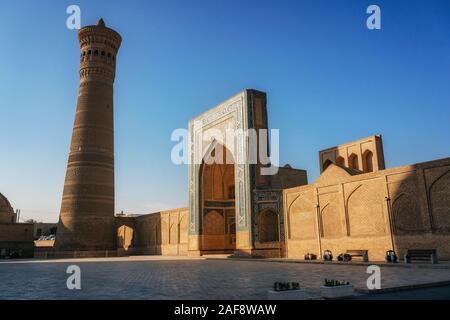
(6, 211)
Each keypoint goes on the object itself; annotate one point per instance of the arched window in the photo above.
(125, 237)
(368, 161)
(353, 161)
(340, 161)
(326, 164)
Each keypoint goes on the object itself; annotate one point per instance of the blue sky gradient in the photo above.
(328, 78)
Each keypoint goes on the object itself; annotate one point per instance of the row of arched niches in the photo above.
(97, 54)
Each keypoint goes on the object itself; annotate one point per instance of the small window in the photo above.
(89, 52)
(340, 161)
(109, 54)
(368, 161)
(96, 52)
(103, 53)
(353, 161)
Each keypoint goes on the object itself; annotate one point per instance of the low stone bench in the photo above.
(359, 253)
(421, 255)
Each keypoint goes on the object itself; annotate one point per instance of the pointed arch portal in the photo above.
(217, 201)
(238, 114)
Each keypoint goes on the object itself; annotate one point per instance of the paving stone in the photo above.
(168, 278)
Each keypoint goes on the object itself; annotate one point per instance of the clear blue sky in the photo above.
(329, 80)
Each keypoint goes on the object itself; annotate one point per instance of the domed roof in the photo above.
(6, 211)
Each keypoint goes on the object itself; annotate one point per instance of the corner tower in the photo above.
(86, 220)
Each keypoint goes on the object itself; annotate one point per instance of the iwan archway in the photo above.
(220, 209)
(217, 201)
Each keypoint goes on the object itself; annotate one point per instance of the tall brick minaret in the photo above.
(86, 220)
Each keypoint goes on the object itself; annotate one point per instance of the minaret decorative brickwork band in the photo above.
(86, 220)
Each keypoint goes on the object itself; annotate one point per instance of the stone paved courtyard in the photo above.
(183, 278)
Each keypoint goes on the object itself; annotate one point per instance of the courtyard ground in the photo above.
(156, 277)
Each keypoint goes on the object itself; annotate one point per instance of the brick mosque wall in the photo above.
(402, 208)
(406, 208)
(16, 237)
(161, 233)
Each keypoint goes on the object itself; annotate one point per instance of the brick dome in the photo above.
(6, 211)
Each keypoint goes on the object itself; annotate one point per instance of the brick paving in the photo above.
(184, 278)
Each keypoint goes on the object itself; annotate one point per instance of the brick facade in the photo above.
(400, 208)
